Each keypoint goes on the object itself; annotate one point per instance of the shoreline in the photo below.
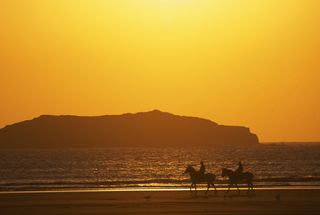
(156, 189)
(281, 201)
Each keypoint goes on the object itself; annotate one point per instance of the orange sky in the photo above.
(253, 63)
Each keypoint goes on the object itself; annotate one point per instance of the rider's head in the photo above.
(201, 162)
(240, 163)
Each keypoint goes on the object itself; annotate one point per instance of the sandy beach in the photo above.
(282, 201)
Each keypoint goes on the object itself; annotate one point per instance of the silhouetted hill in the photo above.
(154, 128)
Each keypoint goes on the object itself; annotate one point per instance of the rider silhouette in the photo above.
(202, 168)
(240, 168)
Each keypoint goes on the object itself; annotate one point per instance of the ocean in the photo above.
(149, 168)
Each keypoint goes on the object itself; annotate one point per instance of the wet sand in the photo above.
(285, 201)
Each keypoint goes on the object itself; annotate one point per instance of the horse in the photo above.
(198, 178)
(235, 178)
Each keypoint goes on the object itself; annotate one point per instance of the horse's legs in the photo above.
(251, 186)
(215, 189)
(238, 189)
(191, 187)
(229, 187)
(208, 187)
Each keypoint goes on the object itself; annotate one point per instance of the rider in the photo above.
(202, 168)
(240, 168)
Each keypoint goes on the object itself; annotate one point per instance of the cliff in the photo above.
(154, 128)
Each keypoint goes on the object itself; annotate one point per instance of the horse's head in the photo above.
(223, 174)
(189, 169)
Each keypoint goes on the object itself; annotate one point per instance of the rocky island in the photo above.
(145, 129)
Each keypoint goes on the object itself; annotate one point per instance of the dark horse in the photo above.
(198, 178)
(236, 178)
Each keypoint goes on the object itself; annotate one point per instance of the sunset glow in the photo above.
(252, 63)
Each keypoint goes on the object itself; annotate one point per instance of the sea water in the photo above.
(149, 168)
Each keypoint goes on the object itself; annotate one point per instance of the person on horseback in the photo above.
(240, 168)
(202, 169)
